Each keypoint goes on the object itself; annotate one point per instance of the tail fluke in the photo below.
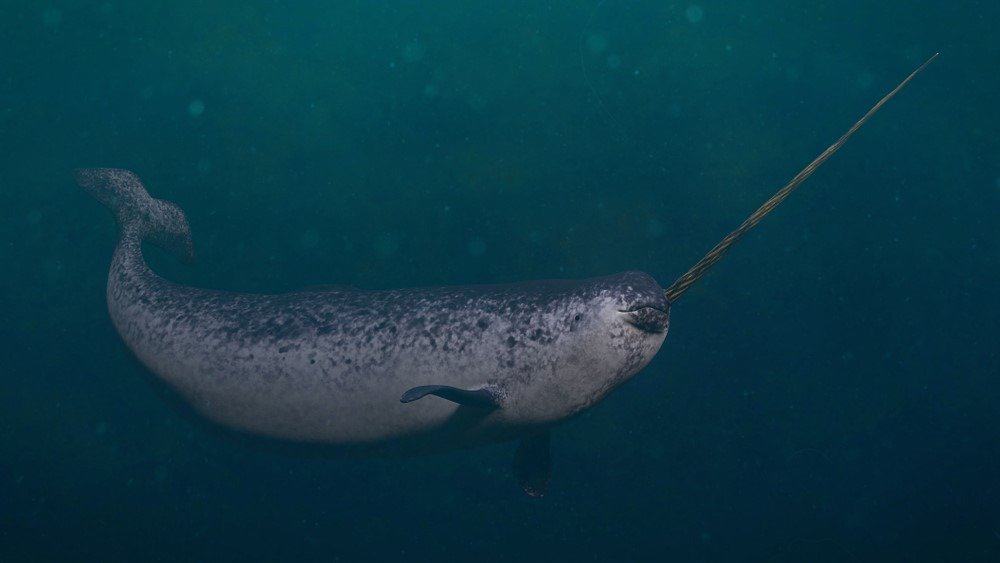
(698, 270)
(138, 214)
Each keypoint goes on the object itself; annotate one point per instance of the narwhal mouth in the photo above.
(651, 319)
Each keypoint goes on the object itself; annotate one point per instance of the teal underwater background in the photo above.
(828, 393)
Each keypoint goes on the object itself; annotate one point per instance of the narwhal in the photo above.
(401, 371)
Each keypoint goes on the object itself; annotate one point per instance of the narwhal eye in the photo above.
(574, 322)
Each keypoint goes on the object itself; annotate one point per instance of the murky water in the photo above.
(828, 392)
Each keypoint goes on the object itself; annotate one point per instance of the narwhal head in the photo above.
(639, 302)
(608, 328)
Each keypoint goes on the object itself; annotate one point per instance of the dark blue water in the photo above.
(829, 392)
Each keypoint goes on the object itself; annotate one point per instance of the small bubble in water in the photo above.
(694, 13)
(476, 247)
(196, 108)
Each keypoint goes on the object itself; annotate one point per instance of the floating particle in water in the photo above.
(476, 247)
(33, 217)
(413, 51)
(614, 61)
(654, 228)
(53, 269)
(865, 80)
(196, 108)
(694, 13)
(386, 244)
(655, 450)
(430, 91)
(101, 428)
(204, 166)
(597, 44)
(309, 239)
(52, 17)
(477, 102)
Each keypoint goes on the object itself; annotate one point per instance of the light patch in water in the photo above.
(196, 108)
(694, 13)
(52, 17)
(597, 44)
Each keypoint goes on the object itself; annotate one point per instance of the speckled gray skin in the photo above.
(330, 366)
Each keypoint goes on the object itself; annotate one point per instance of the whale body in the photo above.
(410, 370)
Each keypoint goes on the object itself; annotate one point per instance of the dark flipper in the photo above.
(483, 398)
(533, 464)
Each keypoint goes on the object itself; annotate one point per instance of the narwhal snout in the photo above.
(649, 319)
